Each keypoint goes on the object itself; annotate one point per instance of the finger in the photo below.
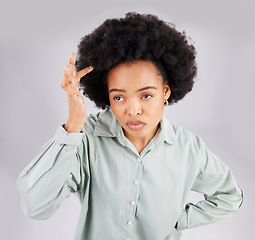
(82, 73)
(67, 78)
(72, 62)
(68, 71)
(71, 89)
(70, 68)
(73, 84)
(74, 89)
(67, 82)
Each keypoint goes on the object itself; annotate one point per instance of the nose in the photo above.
(134, 108)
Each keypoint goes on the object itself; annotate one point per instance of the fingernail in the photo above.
(71, 55)
(90, 67)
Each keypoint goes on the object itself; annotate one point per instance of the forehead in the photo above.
(134, 74)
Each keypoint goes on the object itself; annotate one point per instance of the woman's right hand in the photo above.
(77, 110)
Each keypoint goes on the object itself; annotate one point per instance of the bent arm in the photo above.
(222, 195)
(52, 175)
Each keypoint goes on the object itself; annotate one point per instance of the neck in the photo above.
(141, 142)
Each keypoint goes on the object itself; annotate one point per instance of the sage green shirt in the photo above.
(126, 195)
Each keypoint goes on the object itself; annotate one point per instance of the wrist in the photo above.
(70, 128)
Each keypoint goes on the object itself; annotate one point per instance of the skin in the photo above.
(130, 103)
(77, 110)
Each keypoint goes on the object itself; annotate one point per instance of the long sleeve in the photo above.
(52, 175)
(223, 197)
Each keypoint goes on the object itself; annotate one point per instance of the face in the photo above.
(137, 95)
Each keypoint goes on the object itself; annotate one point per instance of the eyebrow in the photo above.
(139, 90)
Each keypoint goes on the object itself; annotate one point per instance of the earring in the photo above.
(166, 102)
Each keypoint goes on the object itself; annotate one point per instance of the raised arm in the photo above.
(60, 167)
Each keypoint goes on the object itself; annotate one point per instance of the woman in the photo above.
(131, 169)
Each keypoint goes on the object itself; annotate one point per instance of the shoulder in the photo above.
(181, 136)
(102, 123)
(91, 123)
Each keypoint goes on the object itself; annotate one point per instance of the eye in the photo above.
(118, 99)
(147, 96)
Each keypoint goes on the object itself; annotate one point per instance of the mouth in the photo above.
(135, 125)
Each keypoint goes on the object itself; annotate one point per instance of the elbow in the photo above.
(229, 202)
(35, 211)
(35, 205)
(240, 198)
(35, 214)
(30, 213)
(235, 200)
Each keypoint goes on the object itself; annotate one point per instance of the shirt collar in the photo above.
(108, 126)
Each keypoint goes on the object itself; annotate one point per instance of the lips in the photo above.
(135, 125)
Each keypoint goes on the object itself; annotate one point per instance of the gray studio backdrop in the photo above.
(37, 38)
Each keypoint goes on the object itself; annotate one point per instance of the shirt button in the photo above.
(136, 182)
(132, 202)
(139, 159)
(129, 222)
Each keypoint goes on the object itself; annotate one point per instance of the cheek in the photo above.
(155, 108)
(156, 104)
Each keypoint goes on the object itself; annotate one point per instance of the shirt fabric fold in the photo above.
(125, 195)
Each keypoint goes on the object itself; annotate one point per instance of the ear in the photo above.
(167, 91)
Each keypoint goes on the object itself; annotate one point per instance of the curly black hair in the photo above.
(136, 37)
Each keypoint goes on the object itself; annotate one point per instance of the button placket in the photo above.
(133, 202)
(138, 186)
(134, 193)
(136, 182)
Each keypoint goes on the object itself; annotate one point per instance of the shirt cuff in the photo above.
(183, 220)
(63, 137)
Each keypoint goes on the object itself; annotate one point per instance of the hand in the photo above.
(77, 109)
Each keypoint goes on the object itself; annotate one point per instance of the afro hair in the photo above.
(136, 37)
